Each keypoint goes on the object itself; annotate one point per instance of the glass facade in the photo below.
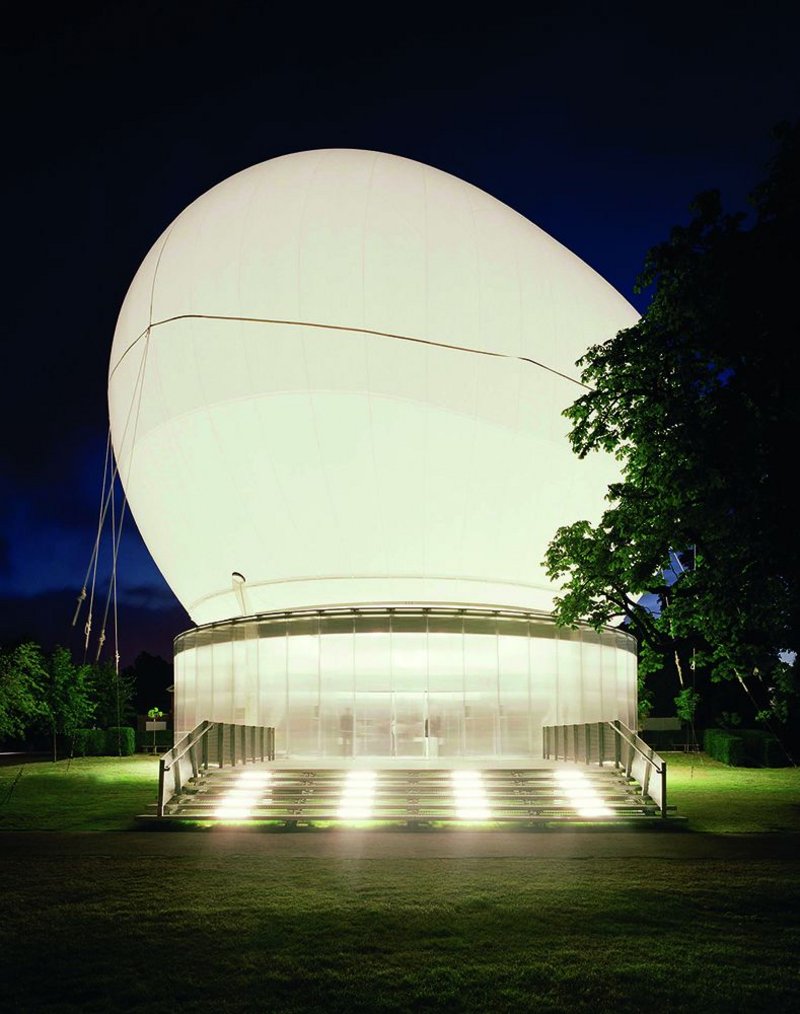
(404, 683)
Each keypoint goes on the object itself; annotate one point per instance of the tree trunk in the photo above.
(679, 669)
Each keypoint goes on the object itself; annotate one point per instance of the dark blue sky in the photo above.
(599, 125)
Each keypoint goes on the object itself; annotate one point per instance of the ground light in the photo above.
(357, 800)
(581, 795)
(469, 796)
(251, 788)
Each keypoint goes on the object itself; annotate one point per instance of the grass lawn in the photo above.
(251, 933)
(218, 929)
(84, 794)
(724, 800)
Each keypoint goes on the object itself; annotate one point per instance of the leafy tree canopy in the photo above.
(65, 696)
(22, 673)
(698, 402)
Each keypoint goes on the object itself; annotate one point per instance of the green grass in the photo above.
(84, 794)
(208, 928)
(724, 800)
(254, 932)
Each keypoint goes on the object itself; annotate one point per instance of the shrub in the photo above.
(120, 741)
(762, 748)
(89, 743)
(79, 738)
(774, 754)
(724, 746)
(95, 742)
(745, 747)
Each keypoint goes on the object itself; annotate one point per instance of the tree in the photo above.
(698, 403)
(112, 693)
(66, 696)
(153, 677)
(22, 672)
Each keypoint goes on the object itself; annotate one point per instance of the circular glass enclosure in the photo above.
(404, 682)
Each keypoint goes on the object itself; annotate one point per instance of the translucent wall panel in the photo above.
(304, 693)
(373, 681)
(626, 682)
(543, 655)
(186, 707)
(514, 693)
(481, 700)
(591, 690)
(223, 677)
(446, 702)
(248, 681)
(273, 686)
(337, 686)
(570, 683)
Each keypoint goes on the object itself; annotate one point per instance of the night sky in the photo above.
(600, 127)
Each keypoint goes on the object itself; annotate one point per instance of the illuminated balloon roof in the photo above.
(341, 374)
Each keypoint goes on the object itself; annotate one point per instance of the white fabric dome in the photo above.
(341, 374)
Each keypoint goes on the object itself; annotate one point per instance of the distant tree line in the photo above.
(51, 695)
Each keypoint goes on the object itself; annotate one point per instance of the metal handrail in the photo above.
(190, 739)
(633, 740)
(170, 780)
(640, 763)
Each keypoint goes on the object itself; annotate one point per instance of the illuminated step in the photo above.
(357, 800)
(579, 794)
(250, 790)
(460, 796)
(469, 796)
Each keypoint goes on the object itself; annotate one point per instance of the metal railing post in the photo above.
(663, 788)
(601, 743)
(161, 775)
(647, 769)
(220, 744)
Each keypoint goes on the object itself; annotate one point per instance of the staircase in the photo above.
(556, 794)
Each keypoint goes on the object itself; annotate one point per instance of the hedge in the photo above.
(120, 740)
(724, 746)
(763, 749)
(104, 742)
(744, 748)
